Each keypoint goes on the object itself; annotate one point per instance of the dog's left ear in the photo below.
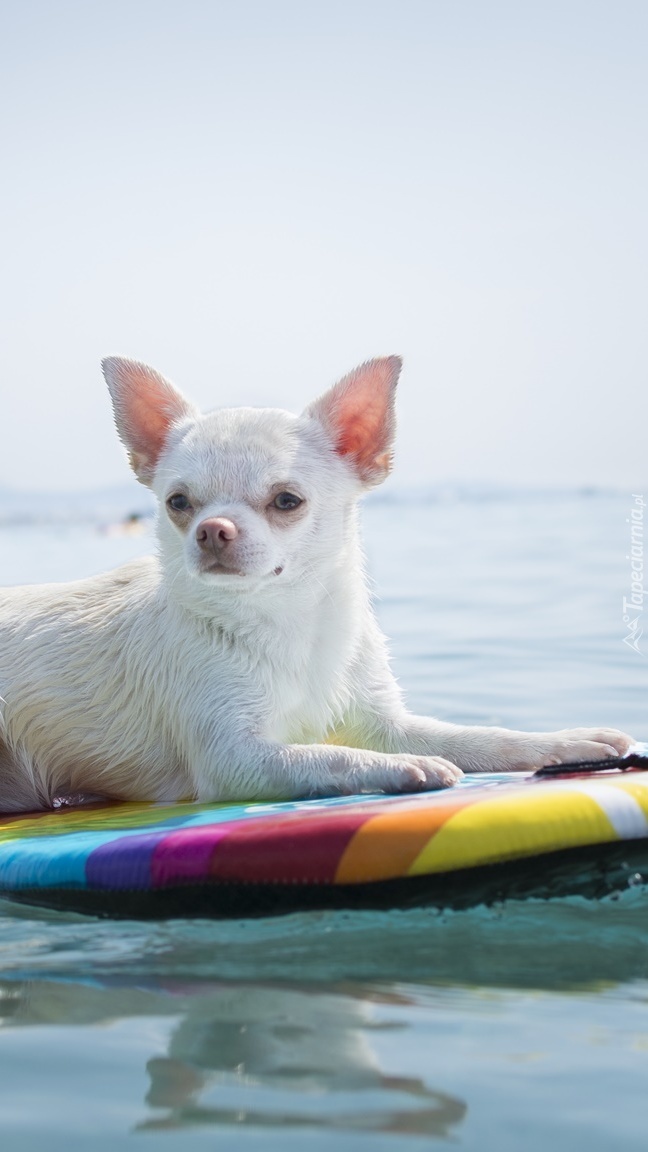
(358, 413)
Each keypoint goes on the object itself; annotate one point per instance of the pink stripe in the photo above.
(186, 854)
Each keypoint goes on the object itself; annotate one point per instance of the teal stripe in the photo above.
(49, 861)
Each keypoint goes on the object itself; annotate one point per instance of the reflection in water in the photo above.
(305, 1023)
(510, 1018)
(256, 1054)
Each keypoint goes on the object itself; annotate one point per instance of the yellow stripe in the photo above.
(514, 826)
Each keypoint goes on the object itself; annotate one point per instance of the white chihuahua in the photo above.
(244, 662)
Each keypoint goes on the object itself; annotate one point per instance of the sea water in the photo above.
(523, 1025)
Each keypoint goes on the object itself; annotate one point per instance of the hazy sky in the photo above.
(255, 195)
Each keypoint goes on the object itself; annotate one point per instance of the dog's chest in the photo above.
(300, 673)
(303, 704)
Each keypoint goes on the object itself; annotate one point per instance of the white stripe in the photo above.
(622, 810)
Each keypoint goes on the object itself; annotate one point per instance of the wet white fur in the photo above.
(161, 681)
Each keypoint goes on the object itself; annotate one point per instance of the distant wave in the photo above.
(99, 506)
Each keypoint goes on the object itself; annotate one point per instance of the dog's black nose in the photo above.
(215, 533)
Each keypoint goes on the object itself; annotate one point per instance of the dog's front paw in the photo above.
(520, 751)
(574, 744)
(413, 774)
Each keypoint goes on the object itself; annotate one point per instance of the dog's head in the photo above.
(251, 495)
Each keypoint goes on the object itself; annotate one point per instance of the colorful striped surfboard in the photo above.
(488, 838)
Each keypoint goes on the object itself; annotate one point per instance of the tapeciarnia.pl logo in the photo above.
(633, 605)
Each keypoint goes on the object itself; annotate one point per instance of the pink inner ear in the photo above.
(146, 406)
(360, 412)
(150, 416)
(362, 431)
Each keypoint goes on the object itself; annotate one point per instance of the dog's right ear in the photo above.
(146, 406)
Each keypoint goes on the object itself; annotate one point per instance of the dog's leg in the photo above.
(272, 771)
(379, 720)
(482, 749)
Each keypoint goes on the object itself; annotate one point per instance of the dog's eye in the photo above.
(286, 501)
(178, 502)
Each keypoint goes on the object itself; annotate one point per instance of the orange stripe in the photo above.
(387, 844)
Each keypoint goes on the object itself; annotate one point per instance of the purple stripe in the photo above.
(124, 862)
(186, 854)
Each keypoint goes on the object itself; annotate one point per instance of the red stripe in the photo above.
(299, 848)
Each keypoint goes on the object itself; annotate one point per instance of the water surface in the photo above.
(523, 1025)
